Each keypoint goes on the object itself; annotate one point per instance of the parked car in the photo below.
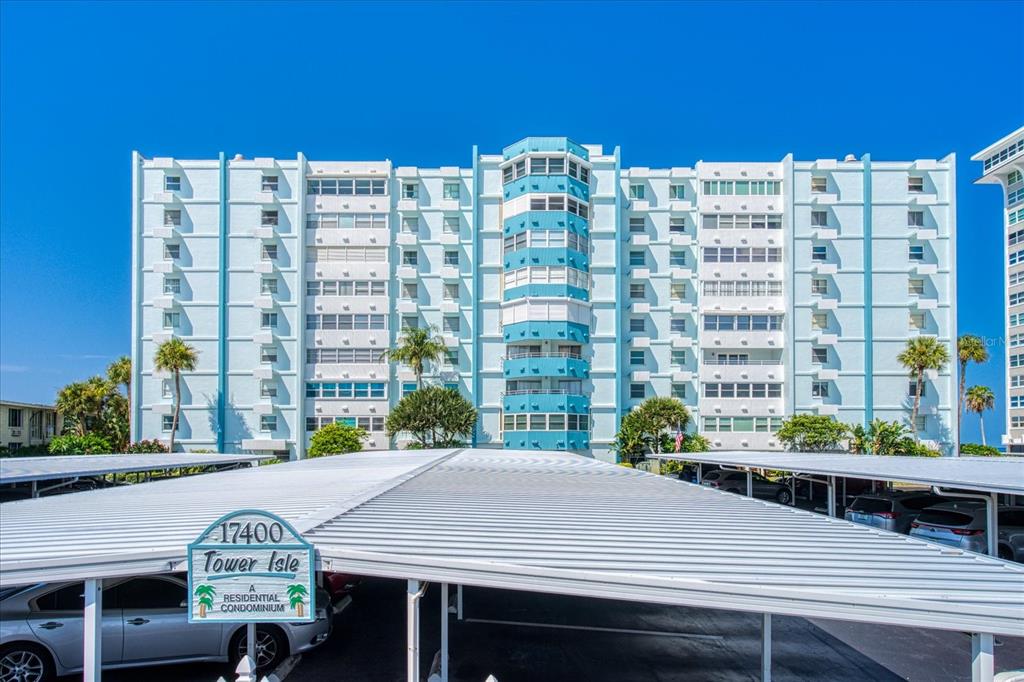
(145, 622)
(957, 524)
(891, 511)
(1011, 534)
(736, 482)
(689, 472)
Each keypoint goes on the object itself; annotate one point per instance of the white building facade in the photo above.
(567, 289)
(1003, 164)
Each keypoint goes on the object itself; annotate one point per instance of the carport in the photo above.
(988, 476)
(52, 473)
(533, 521)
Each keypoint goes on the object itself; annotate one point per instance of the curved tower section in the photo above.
(546, 314)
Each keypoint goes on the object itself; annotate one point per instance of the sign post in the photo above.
(251, 566)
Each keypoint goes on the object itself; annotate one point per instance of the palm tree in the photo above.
(921, 353)
(969, 348)
(175, 356)
(416, 347)
(82, 402)
(979, 399)
(119, 372)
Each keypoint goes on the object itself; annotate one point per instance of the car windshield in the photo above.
(919, 503)
(871, 505)
(944, 517)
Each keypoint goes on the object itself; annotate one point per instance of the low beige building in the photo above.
(26, 424)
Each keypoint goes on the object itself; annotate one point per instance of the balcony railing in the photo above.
(763, 363)
(519, 355)
(543, 391)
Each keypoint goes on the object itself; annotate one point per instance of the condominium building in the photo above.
(1003, 164)
(27, 424)
(566, 287)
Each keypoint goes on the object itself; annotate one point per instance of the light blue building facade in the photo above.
(567, 289)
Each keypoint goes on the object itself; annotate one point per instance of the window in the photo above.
(172, 217)
(410, 257)
(636, 357)
(172, 183)
(172, 251)
(819, 184)
(450, 324)
(819, 389)
(451, 258)
(268, 320)
(1017, 381)
(743, 288)
(678, 357)
(677, 325)
(167, 389)
(819, 253)
(408, 388)
(819, 355)
(14, 418)
(636, 191)
(637, 391)
(410, 290)
(916, 321)
(636, 324)
(677, 291)
(743, 322)
(410, 223)
(451, 358)
(819, 321)
(268, 252)
(677, 225)
(679, 391)
(915, 183)
(636, 258)
(730, 254)
(1013, 178)
(268, 389)
(410, 190)
(677, 259)
(912, 389)
(637, 290)
(166, 422)
(1016, 402)
(346, 287)
(915, 218)
(1017, 298)
(268, 422)
(268, 354)
(742, 187)
(819, 286)
(637, 225)
(915, 286)
(348, 389)
(1017, 360)
(916, 253)
(347, 221)
(268, 183)
(268, 285)
(343, 356)
(172, 320)
(451, 190)
(677, 191)
(729, 221)
(409, 322)
(268, 218)
(451, 292)
(819, 218)
(348, 186)
(451, 224)
(172, 285)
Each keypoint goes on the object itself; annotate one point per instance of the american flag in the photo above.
(679, 439)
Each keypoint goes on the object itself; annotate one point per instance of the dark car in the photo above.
(736, 482)
(891, 511)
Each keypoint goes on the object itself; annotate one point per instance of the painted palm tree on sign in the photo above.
(175, 356)
(416, 347)
(920, 354)
(979, 399)
(969, 348)
(205, 594)
(296, 597)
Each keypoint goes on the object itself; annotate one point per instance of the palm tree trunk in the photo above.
(917, 405)
(981, 423)
(963, 388)
(128, 391)
(177, 406)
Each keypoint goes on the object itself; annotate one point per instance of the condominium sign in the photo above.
(250, 566)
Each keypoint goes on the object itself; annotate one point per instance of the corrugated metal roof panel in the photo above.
(24, 469)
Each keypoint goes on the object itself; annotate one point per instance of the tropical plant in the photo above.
(205, 595)
(146, 447)
(812, 433)
(119, 373)
(969, 348)
(976, 450)
(694, 442)
(881, 438)
(979, 399)
(434, 416)
(630, 442)
(82, 403)
(175, 356)
(336, 439)
(416, 347)
(74, 444)
(296, 597)
(920, 354)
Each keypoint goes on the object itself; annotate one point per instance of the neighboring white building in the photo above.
(24, 425)
(567, 288)
(1003, 164)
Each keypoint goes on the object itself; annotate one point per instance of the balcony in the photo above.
(263, 407)
(267, 197)
(263, 337)
(545, 400)
(926, 268)
(163, 302)
(408, 205)
(823, 374)
(826, 304)
(547, 440)
(640, 375)
(825, 233)
(926, 304)
(680, 240)
(682, 308)
(407, 272)
(264, 302)
(449, 238)
(263, 372)
(925, 233)
(640, 273)
(754, 370)
(406, 238)
(407, 305)
(681, 273)
(451, 341)
(265, 232)
(450, 272)
(825, 268)
(546, 331)
(449, 306)
(264, 267)
(640, 308)
(639, 240)
(824, 338)
(522, 365)
(165, 231)
(165, 266)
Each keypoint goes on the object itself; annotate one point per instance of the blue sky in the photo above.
(82, 85)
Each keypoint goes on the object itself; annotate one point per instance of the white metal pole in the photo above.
(250, 642)
(444, 632)
(92, 661)
(750, 483)
(982, 664)
(831, 495)
(458, 602)
(992, 525)
(792, 487)
(700, 473)
(412, 618)
(766, 648)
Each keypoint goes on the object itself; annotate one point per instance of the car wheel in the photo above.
(25, 663)
(271, 647)
(784, 496)
(1004, 553)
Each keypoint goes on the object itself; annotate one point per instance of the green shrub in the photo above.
(976, 450)
(89, 444)
(811, 433)
(670, 466)
(336, 439)
(628, 465)
(146, 447)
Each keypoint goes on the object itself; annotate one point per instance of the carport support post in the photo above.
(982, 664)
(766, 648)
(412, 617)
(92, 634)
(444, 632)
(458, 602)
(992, 523)
(831, 495)
(750, 483)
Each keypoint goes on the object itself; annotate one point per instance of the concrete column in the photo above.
(412, 617)
(766, 648)
(750, 483)
(92, 632)
(982, 663)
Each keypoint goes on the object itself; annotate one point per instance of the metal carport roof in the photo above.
(988, 474)
(538, 521)
(25, 469)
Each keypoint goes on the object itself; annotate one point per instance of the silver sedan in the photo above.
(145, 622)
